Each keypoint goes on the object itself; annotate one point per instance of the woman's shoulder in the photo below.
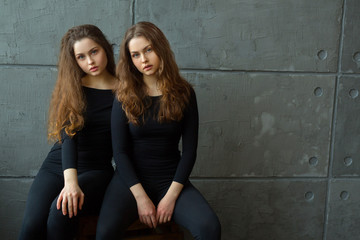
(192, 95)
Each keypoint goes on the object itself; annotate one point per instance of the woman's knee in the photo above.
(33, 228)
(56, 220)
(208, 228)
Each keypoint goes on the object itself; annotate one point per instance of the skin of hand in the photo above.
(166, 205)
(146, 208)
(71, 197)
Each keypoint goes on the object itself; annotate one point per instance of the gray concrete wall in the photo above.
(277, 84)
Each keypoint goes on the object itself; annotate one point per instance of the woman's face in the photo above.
(143, 56)
(90, 57)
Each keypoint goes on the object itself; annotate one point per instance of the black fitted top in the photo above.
(149, 152)
(90, 148)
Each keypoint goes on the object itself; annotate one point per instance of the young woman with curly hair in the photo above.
(153, 109)
(73, 178)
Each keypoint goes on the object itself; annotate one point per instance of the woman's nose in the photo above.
(90, 60)
(143, 58)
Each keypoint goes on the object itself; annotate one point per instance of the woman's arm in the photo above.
(166, 205)
(146, 208)
(189, 137)
(121, 144)
(71, 196)
(189, 147)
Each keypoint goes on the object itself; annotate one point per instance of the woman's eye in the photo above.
(93, 51)
(80, 57)
(135, 55)
(148, 50)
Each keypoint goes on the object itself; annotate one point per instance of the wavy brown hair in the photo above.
(68, 104)
(131, 91)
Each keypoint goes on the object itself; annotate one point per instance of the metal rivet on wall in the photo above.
(318, 92)
(309, 196)
(353, 93)
(313, 161)
(322, 54)
(347, 161)
(356, 57)
(344, 195)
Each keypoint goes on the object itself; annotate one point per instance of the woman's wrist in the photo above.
(138, 192)
(174, 190)
(70, 176)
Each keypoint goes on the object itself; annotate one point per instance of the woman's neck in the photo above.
(103, 81)
(152, 85)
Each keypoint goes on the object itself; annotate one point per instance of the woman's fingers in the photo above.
(70, 206)
(64, 206)
(164, 219)
(70, 200)
(58, 203)
(153, 221)
(75, 205)
(81, 201)
(160, 218)
(149, 221)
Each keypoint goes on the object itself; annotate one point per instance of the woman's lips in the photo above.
(93, 69)
(148, 67)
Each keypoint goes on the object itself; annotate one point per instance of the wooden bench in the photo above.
(137, 231)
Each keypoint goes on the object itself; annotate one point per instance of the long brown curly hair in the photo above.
(68, 104)
(131, 90)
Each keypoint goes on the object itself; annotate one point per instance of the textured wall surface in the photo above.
(277, 84)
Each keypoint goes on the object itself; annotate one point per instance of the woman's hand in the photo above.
(147, 212)
(146, 208)
(71, 199)
(165, 208)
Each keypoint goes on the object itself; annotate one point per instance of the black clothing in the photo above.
(119, 211)
(149, 154)
(90, 152)
(90, 148)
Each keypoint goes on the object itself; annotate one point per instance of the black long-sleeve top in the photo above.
(91, 147)
(150, 152)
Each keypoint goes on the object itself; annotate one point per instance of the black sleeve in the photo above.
(121, 144)
(68, 151)
(189, 137)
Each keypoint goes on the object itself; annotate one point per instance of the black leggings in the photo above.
(119, 211)
(42, 220)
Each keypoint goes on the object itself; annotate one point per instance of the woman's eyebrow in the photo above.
(142, 49)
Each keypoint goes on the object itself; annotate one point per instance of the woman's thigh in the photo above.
(194, 213)
(94, 183)
(118, 211)
(45, 188)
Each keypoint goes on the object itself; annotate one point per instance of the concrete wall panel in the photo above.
(263, 209)
(351, 48)
(347, 137)
(264, 72)
(12, 205)
(249, 35)
(33, 29)
(24, 98)
(344, 210)
(263, 124)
